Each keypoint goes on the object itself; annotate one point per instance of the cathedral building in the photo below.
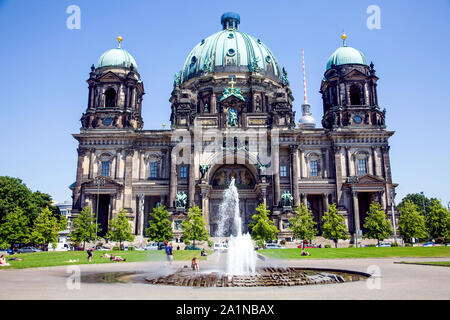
(232, 118)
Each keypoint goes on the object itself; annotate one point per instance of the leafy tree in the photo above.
(84, 227)
(160, 228)
(438, 221)
(46, 228)
(194, 227)
(333, 225)
(421, 201)
(14, 193)
(302, 224)
(376, 223)
(15, 227)
(262, 228)
(120, 229)
(411, 224)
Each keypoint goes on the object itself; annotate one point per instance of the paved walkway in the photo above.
(396, 281)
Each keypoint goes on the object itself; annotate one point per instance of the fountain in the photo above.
(241, 256)
(240, 269)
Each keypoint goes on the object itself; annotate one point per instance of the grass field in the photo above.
(49, 259)
(366, 252)
(429, 263)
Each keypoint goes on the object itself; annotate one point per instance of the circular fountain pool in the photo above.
(265, 277)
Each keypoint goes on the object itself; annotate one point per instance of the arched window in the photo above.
(110, 95)
(314, 162)
(355, 95)
(361, 162)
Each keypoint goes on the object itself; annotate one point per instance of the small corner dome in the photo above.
(117, 57)
(346, 55)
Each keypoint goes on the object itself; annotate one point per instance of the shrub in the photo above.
(187, 242)
(350, 246)
(260, 243)
(394, 244)
(371, 245)
(131, 248)
(210, 243)
(283, 242)
(116, 248)
(408, 245)
(327, 246)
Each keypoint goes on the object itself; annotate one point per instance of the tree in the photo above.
(84, 227)
(160, 228)
(376, 223)
(15, 227)
(194, 227)
(262, 228)
(46, 228)
(421, 201)
(14, 193)
(120, 229)
(438, 221)
(302, 224)
(333, 225)
(411, 224)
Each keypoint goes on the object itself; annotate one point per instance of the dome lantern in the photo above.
(230, 21)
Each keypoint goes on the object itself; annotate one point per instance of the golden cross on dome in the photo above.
(232, 82)
(119, 39)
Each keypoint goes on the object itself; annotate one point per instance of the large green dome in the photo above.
(346, 55)
(230, 50)
(117, 57)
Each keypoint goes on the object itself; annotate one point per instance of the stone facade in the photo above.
(232, 123)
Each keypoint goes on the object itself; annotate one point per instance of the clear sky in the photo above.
(45, 65)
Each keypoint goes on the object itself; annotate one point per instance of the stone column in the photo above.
(374, 161)
(325, 202)
(128, 178)
(347, 161)
(77, 190)
(295, 175)
(302, 163)
(325, 161)
(191, 191)
(355, 210)
(338, 176)
(118, 161)
(91, 163)
(386, 164)
(213, 106)
(305, 199)
(141, 165)
(205, 191)
(173, 178)
(276, 175)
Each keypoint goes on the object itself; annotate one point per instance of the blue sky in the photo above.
(44, 67)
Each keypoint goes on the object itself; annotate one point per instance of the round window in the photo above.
(231, 52)
(230, 36)
(107, 121)
(357, 119)
(268, 59)
(193, 60)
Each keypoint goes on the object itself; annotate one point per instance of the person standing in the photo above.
(90, 253)
(169, 253)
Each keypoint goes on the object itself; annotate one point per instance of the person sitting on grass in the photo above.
(194, 264)
(203, 253)
(105, 255)
(116, 258)
(305, 253)
(3, 262)
(15, 259)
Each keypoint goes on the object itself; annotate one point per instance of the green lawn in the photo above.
(49, 259)
(366, 252)
(430, 263)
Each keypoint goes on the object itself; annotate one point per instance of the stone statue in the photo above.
(232, 117)
(286, 199)
(203, 169)
(181, 200)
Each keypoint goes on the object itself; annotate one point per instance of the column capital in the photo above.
(337, 149)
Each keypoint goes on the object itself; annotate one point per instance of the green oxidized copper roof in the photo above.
(346, 55)
(117, 57)
(229, 50)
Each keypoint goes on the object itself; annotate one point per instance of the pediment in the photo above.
(108, 182)
(109, 77)
(355, 73)
(368, 179)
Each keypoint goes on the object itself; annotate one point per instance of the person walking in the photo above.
(169, 253)
(90, 253)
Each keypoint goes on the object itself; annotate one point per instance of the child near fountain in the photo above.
(194, 264)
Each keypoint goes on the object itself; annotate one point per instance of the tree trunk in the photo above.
(335, 243)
